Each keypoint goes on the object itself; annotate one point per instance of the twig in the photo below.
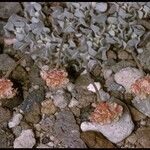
(92, 82)
(60, 50)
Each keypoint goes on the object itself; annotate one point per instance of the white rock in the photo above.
(15, 120)
(73, 103)
(127, 76)
(101, 7)
(115, 132)
(70, 86)
(90, 87)
(25, 140)
(60, 99)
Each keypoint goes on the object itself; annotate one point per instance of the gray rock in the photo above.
(61, 98)
(8, 8)
(143, 105)
(34, 115)
(115, 132)
(67, 131)
(84, 97)
(35, 96)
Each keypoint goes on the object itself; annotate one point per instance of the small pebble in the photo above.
(111, 55)
(101, 7)
(123, 55)
(143, 123)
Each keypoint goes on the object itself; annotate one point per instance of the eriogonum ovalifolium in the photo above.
(6, 89)
(141, 87)
(106, 113)
(55, 78)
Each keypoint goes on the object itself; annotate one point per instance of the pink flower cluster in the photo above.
(141, 87)
(55, 78)
(106, 113)
(6, 90)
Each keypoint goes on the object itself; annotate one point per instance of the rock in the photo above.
(136, 115)
(61, 98)
(48, 107)
(6, 62)
(7, 139)
(96, 140)
(70, 86)
(76, 111)
(141, 138)
(111, 55)
(101, 7)
(90, 87)
(115, 132)
(67, 131)
(73, 103)
(123, 54)
(46, 124)
(34, 77)
(37, 95)
(25, 140)
(5, 115)
(8, 8)
(15, 120)
(132, 138)
(82, 81)
(127, 76)
(34, 115)
(143, 105)
(84, 97)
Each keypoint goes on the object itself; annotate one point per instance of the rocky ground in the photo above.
(42, 118)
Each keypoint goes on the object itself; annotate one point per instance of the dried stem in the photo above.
(92, 82)
(60, 50)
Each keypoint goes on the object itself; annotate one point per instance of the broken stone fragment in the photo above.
(90, 87)
(25, 140)
(15, 120)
